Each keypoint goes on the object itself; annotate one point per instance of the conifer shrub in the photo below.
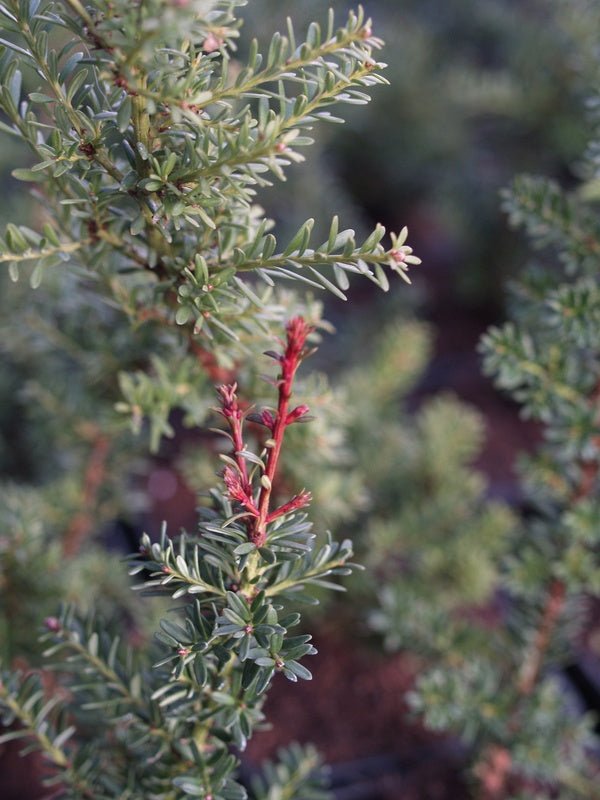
(151, 276)
(157, 277)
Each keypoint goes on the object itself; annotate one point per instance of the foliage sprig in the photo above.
(161, 137)
(200, 690)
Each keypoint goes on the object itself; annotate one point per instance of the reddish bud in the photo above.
(267, 419)
(399, 256)
(296, 413)
(53, 624)
(211, 43)
(297, 331)
(238, 490)
(233, 482)
(298, 501)
(229, 401)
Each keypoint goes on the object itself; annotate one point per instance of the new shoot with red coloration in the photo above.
(236, 476)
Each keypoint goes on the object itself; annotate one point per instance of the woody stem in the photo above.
(285, 392)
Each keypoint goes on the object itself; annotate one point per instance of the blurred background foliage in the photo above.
(478, 91)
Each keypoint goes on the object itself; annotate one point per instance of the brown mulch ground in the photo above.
(355, 713)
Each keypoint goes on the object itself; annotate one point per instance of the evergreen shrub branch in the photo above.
(200, 690)
(149, 138)
(161, 137)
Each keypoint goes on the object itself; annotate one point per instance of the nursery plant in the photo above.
(148, 141)
(150, 275)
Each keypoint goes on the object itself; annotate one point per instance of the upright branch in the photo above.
(496, 767)
(84, 520)
(532, 666)
(149, 172)
(235, 476)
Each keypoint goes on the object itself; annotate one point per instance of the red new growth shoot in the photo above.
(267, 419)
(238, 491)
(297, 331)
(296, 413)
(229, 403)
(298, 501)
(234, 415)
(237, 481)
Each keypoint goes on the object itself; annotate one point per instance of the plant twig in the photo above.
(83, 522)
(297, 333)
(494, 779)
(532, 666)
(238, 481)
